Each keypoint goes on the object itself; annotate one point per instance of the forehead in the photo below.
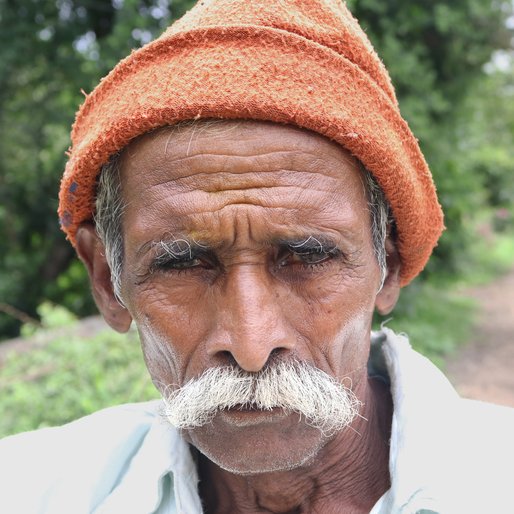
(243, 137)
(179, 177)
(144, 159)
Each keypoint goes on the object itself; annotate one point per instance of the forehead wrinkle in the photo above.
(260, 195)
(224, 156)
(239, 154)
(333, 152)
(201, 179)
(285, 225)
(216, 205)
(179, 208)
(305, 173)
(224, 161)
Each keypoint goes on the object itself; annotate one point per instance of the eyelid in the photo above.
(322, 254)
(314, 250)
(167, 260)
(331, 249)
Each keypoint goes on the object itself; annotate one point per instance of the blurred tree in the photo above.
(489, 141)
(50, 50)
(435, 52)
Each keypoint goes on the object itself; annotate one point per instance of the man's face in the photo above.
(266, 255)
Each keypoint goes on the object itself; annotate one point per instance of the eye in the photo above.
(309, 258)
(313, 257)
(181, 263)
(178, 264)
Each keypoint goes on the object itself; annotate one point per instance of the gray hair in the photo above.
(381, 219)
(109, 209)
(109, 217)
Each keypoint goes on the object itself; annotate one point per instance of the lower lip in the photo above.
(250, 417)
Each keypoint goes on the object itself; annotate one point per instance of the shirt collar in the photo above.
(424, 403)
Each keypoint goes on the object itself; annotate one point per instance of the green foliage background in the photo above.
(70, 376)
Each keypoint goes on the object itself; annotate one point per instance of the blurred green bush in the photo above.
(71, 376)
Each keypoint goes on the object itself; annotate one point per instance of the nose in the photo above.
(251, 325)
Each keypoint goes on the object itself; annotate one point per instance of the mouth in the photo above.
(247, 415)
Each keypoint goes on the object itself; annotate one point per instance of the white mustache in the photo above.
(293, 386)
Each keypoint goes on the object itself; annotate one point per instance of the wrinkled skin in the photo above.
(244, 194)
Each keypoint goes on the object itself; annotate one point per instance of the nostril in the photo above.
(227, 359)
(277, 354)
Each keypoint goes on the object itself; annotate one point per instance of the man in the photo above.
(245, 190)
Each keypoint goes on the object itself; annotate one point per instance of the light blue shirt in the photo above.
(448, 455)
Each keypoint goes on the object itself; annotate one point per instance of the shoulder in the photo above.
(485, 431)
(93, 450)
(453, 452)
(479, 457)
(120, 422)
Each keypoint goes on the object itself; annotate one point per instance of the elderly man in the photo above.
(245, 190)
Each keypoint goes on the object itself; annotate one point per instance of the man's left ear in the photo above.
(388, 296)
(91, 252)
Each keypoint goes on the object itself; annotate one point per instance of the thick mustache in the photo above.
(292, 386)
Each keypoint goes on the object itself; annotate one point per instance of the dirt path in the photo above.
(484, 369)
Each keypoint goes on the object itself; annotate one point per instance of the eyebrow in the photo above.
(180, 245)
(308, 243)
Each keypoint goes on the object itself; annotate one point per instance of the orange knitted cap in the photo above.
(300, 62)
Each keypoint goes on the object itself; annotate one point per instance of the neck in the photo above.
(349, 474)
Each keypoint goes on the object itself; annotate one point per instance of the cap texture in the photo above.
(300, 62)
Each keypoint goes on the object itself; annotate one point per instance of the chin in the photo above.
(256, 443)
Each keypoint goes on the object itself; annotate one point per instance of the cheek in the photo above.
(161, 359)
(334, 300)
(349, 350)
(171, 330)
(336, 319)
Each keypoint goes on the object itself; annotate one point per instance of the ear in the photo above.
(91, 252)
(388, 296)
